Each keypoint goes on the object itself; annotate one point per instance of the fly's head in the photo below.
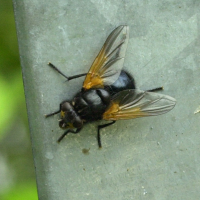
(69, 117)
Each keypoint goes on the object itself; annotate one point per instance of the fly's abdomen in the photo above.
(91, 104)
(124, 82)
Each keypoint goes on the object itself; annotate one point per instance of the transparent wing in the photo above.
(130, 104)
(107, 66)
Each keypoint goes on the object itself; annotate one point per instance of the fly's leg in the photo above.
(67, 77)
(68, 131)
(98, 133)
(53, 113)
(155, 89)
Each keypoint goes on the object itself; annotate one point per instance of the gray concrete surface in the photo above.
(148, 158)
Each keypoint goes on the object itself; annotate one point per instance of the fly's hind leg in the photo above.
(98, 133)
(67, 77)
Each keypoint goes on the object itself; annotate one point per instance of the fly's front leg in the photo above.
(68, 131)
(51, 114)
(67, 77)
(54, 113)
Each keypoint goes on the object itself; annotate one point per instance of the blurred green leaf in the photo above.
(15, 148)
(24, 191)
(11, 98)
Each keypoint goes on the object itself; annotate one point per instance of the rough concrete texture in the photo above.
(148, 158)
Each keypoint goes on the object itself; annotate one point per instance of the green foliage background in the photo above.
(17, 176)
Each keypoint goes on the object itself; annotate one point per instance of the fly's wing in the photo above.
(107, 66)
(130, 104)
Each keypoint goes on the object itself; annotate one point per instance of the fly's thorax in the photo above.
(91, 104)
(69, 117)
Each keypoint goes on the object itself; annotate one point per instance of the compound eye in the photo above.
(65, 125)
(66, 106)
(62, 124)
(78, 123)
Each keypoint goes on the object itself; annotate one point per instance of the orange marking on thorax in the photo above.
(62, 113)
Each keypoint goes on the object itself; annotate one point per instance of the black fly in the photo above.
(108, 92)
